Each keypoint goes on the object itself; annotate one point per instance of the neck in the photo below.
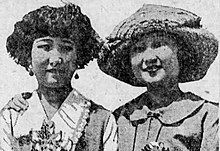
(54, 96)
(162, 95)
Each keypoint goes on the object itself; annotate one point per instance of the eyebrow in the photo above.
(45, 40)
(67, 41)
(51, 41)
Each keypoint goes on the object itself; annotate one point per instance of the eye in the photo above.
(46, 47)
(66, 48)
(139, 49)
(156, 44)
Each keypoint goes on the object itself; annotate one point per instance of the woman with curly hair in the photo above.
(158, 47)
(52, 43)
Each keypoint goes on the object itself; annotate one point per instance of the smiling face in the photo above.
(53, 61)
(154, 59)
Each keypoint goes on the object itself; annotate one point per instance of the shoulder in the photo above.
(211, 106)
(127, 109)
(211, 112)
(99, 118)
(208, 110)
(95, 109)
(98, 111)
(120, 111)
(206, 105)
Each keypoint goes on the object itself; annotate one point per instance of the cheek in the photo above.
(176, 68)
(136, 70)
(164, 53)
(172, 65)
(39, 60)
(167, 56)
(39, 55)
(69, 57)
(136, 59)
(70, 60)
(169, 60)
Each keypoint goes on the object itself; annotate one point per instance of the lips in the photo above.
(54, 70)
(152, 68)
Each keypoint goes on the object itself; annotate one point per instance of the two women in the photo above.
(52, 43)
(159, 47)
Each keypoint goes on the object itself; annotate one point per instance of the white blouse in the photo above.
(61, 132)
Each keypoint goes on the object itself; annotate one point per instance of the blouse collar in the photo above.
(174, 113)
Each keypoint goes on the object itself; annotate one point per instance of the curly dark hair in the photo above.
(63, 22)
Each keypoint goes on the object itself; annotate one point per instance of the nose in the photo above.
(150, 58)
(151, 61)
(56, 62)
(55, 58)
(150, 55)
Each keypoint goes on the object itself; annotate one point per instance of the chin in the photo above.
(53, 83)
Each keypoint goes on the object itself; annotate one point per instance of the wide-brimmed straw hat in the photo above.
(198, 46)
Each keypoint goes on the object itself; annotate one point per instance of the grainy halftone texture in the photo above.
(65, 22)
(198, 50)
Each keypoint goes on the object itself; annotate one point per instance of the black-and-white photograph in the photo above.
(109, 75)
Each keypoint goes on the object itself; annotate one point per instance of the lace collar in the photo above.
(75, 98)
(46, 134)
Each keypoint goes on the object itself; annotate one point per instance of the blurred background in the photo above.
(104, 15)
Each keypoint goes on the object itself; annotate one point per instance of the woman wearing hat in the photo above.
(158, 47)
(52, 43)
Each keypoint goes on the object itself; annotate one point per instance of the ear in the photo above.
(29, 68)
(29, 63)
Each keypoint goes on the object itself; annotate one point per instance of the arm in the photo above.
(110, 136)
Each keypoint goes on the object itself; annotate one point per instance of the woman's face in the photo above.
(154, 59)
(53, 61)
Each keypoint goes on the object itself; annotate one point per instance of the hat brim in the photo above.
(201, 44)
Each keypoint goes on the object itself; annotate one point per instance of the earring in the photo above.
(31, 73)
(76, 76)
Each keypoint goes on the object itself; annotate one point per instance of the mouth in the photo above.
(151, 68)
(56, 71)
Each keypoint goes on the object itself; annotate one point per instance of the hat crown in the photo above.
(164, 13)
(149, 16)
